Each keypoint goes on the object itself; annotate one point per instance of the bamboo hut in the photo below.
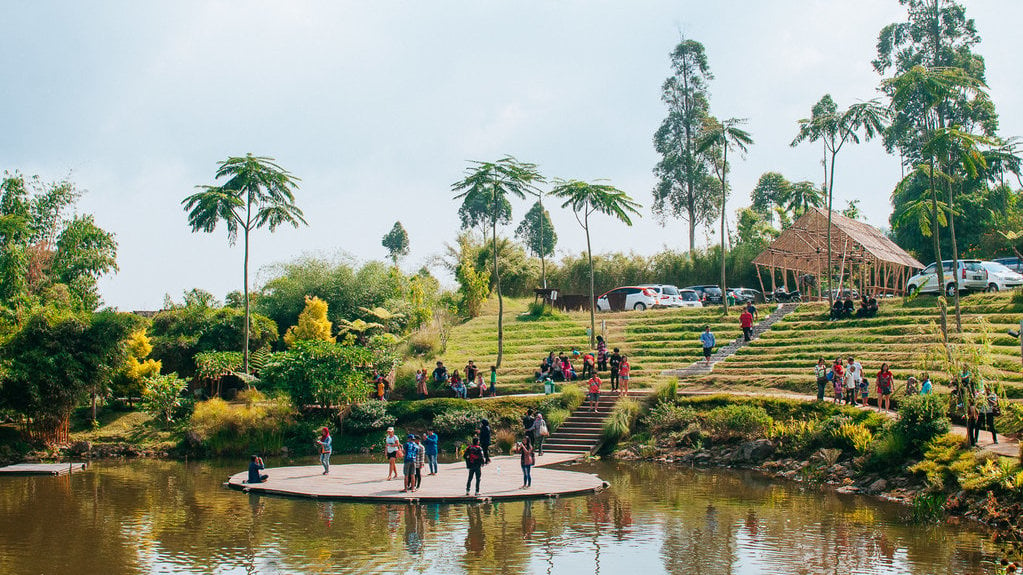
(861, 256)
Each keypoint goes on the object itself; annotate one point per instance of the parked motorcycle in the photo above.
(782, 296)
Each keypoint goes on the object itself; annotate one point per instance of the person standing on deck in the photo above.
(324, 442)
(430, 449)
(474, 463)
(485, 440)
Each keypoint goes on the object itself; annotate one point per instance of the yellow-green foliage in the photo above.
(504, 439)
(939, 455)
(981, 472)
(738, 420)
(312, 323)
(794, 435)
(853, 435)
(133, 377)
(555, 417)
(666, 392)
(623, 416)
(258, 424)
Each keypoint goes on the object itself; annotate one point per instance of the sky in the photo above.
(379, 106)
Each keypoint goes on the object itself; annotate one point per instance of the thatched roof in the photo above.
(803, 246)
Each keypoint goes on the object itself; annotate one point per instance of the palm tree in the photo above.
(490, 184)
(585, 199)
(724, 136)
(257, 194)
(802, 196)
(834, 128)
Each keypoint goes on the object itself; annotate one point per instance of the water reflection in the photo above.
(153, 516)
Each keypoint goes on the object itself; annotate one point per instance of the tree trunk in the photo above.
(93, 397)
(589, 259)
(543, 265)
(245, 329)
(939, 268)
(500, 299)
(955, 256)
(831, 208)
(724, 195)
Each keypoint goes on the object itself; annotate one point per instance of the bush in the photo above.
(426, 342)
(369, 416)
(939, 454)
(504, 440)
(667, 392)
(922, 418)
(462, 422)
(572, 396)
(556, 417)
(618, 425)
(795, 436)
(539, 311)
(666, 416)
(852, 436)
(739, 420)
(238, 429)
(162, 396)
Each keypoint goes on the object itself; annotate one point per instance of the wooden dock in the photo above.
(366, 482)
(42, 468)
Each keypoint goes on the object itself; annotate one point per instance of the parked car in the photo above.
(846, 292)
(745, 295)
(708, 294)
(1001, 277)
(667, 295)
(971, 276)
(689, 298)
(637, 298)
(1014, 264)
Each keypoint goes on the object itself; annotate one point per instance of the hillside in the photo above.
(903, 334)
(655, 340)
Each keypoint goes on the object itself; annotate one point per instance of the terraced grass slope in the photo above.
(903, 334)
(654, 340)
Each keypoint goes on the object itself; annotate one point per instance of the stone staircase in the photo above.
(581, 432)
(725, 351)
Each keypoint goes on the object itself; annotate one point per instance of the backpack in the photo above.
(473, 456)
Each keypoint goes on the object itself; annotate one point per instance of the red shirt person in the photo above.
(746, 322)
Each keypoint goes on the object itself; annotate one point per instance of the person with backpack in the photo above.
(539, 432)
(993, 411)
(430, 450)
(527, 460)
(324, 443)
(614, 362)
(409, 469)
(485, 440)
(707, 339)
(474, 463)
(821, 372)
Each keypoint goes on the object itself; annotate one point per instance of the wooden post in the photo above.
(761, 280)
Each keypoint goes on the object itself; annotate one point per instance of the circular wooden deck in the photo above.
(366, 482)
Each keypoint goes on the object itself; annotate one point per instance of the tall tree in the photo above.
(803, 196)
(396, 242)
(489, 184)
(681, 189)
(585, 199)
(720, 138)
(772, 191)
(258, 193)
(834, 128)
(537, 232)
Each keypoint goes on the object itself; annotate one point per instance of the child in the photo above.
(594, 394)
(838, 379)
(380, 389)
(623, 376)
(481, 385)
(493, 381)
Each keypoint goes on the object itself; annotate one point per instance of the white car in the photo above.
(689, 298)
(637, 298)
(667, 295)
(971, 276)
(1000, 277)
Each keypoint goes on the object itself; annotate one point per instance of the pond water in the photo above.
(174, 517)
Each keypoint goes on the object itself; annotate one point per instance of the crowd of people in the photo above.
(846, 308)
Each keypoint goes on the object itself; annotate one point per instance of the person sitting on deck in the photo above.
(255, 466)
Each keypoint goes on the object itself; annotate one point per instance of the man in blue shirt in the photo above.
(255, 466)
(708, 343)
(411, 450)
(430, 445)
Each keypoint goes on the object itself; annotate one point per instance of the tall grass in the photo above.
(619, 424)
(257, 425)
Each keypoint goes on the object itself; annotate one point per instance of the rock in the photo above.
(877, 486)
(80, 448)
(754, 451)
(847, 489)
(192, 440)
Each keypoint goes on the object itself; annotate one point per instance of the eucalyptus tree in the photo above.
(537, 232)
(486, 188)
(681, 189)
(257, 193)
(834, 128)
(803, 196)
(396, 242)
(719, 139)
(586, 199)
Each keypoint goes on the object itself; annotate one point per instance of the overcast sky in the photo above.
(378, 106)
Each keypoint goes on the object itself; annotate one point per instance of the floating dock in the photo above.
(42, 468)
(367, 482)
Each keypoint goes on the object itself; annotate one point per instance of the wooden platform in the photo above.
(42, 468)
(366, 482)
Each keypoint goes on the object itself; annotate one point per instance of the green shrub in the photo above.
(922, 418)
(619, 424)
(461, 422)
(939, 455)
(537, 311)
(888, 449)
(666, 416)
(426, 342)
(795, 436)
(556, 417)
(667, 392)
(852, 436)
(739, 420)
(572, 396)
(369, 416)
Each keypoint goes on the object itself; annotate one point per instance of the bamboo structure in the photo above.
(861, 255)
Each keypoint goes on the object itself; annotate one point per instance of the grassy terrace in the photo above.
(654, 340)
(902, 335)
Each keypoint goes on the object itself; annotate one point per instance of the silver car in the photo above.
(971, 276)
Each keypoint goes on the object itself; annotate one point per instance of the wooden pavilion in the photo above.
(861, 255)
